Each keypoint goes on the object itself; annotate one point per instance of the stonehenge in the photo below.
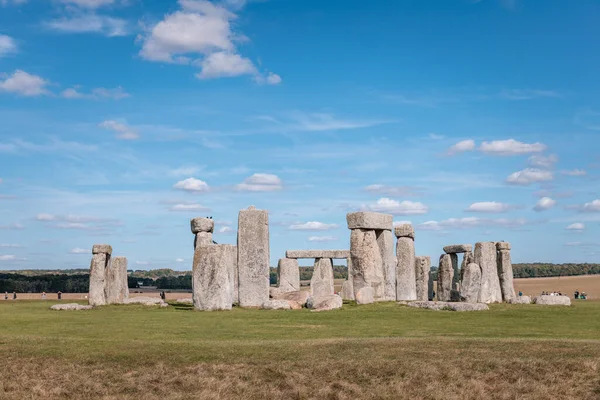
(422, 270)
(486, 258)
(117, 288)
(406, 286)
(212, 277)
(321, 283)
(445, 278)
(108, 277)
(505, 271)
(288, 275)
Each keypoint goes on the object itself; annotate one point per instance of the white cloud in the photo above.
(545, 203)
(225, 230)
(322, 238)
(316, 122)
(124, 132)
(461, 147)
(7, 45)
(401, 222)
(269, 79)
(117, 93)
(313, 226)
(92, 4)
(390, 190)
(179, 260)
(14, 226)
(78, 250)
(578, 226)
(472, 222)
(489, 207)
(541, 161)
(527, 94)
(90, 23)
(261, 183)
(529, 176)
(142, 263)
(45, 217)
(386, 205)
(192, 185)
(185, 170)
(593, 206)
(7, 257)
(574, 172)
(510, 147)
(189, 207)
(9, 246)
(20, 82)
(224, 64)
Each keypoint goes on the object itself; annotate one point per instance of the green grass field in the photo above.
(379, 351)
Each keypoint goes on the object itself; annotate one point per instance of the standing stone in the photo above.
(253, 257)
(117, 288)
(422, 269)
(467, 259)
(445, 278)
(348, 285)
(406, 287)
(385, 241)
(505, 273)
(213, 278)
(365, 296)
(486, 258)
(456, 272)
(100, 261)
(367, 265)
(430, 291)
(288, 275)
(203, 239)
(321, 283)
(234, 271)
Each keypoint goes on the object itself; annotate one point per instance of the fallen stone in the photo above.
(202, 225)
(505, 273)
(324, 303)
(335, 254)
(102, 249)
(486, 258)
(521, 300)
(404, 230)
(212, 278)
(145, 301)
(385, 241)
(458, 248)
(275, 292)
(98, 266)
(299, 297)
(288, 275)
(422, 270)
(116, 285)
(365, 296)
(552, 300)
(502, 246)
(347, 291)
(406, 283)
(280, 305)
(445, 306)
(70, 307)
(370, 220)
(253, 257)
(445, 278)
(322, 283)
(185, 301)
(471, 283)
(367, 265)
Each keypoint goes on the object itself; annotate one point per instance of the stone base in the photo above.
(281, 305)
(145, 301)
(520, 300)
(70, 307)
(324, 303)
(445, 306)
(552, 300)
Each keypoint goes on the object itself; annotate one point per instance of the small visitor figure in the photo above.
(59, 295)
(576, 294)
(520, 294)
(5, 295)
(43, 295)
(14, 295)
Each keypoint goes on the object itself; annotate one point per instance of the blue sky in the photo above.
(123, 119)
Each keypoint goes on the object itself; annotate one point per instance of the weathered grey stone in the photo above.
(471, 283)
(505, 273)
(233, 255)
(468, 258)
(70, 307)
(203, 239)
(456, 271)
(552, 300)
(288, 275)
(275, 292)
(445, 306)
(116, 285)
(485, 257)
(321, 283)
(521, 300)
(458, 248)
(280, 305)
(213, 278)
(324, 303)
(144, 300)
(300, 296)
(422, 269)
(370, 220)
(502, 246)
(335, 254)
(102, 249)
(185, 301)
(367, 266)
(404, 230)
(98, 266)
(347, 291)
(365, 295)
(253, 257)
(202, 225)
(406, 283)
(445, 278)
(385, 241)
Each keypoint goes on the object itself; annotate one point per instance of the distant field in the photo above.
(565, 284)
(379, 351)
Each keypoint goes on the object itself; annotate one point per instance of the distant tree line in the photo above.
(540, 270)
(78, 283)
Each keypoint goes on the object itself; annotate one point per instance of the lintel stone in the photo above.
(405, 230)
(338, 254)
(102, 249)
(370, 220)
(202, 225)
(502, 246)
(458, 248)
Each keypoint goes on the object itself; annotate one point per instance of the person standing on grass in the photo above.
(43, 295)
(5, 295)
(520, 294)
(59, 295)
(15, 295)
